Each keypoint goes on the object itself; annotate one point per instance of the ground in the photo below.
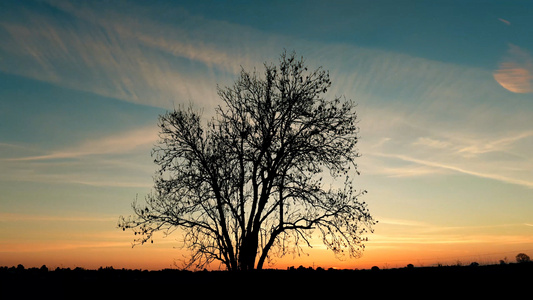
(491, 280)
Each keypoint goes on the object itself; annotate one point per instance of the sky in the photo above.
(445, 101)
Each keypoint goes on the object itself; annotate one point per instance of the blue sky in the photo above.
(444, 88)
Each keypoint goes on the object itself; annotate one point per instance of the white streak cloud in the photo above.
(118, 160)
(115, 144)
(482, 174)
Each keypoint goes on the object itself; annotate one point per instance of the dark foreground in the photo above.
(427, 282)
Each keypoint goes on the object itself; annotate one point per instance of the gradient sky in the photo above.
(444, 92)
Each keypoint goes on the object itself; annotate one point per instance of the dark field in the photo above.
(507, 281)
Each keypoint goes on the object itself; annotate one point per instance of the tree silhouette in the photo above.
(522, 258)
(249, 186)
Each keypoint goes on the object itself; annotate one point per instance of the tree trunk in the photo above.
(248, 252)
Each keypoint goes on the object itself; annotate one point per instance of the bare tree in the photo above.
(248, 186)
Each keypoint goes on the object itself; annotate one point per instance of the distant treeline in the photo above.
(66, 282)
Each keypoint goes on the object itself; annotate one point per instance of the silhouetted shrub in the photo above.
(375, 268)
(522, 258)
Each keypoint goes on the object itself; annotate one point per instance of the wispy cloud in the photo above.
(402, 222)
(421, 117)
(116, 144)
(412, 170)
(494, 144)
(451, 239)
(32, 247)
(118, 160)
(138, 59)
(197, 43)
(504, 21)
(432, 143)
(404, 231)
(438, 165)
(15, 217)
(397, 144)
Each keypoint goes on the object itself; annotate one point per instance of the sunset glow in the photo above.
(445, 102)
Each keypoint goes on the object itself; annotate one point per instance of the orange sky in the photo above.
(391, 246)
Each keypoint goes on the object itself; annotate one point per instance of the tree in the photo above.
(249, 186)
(522, 258)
